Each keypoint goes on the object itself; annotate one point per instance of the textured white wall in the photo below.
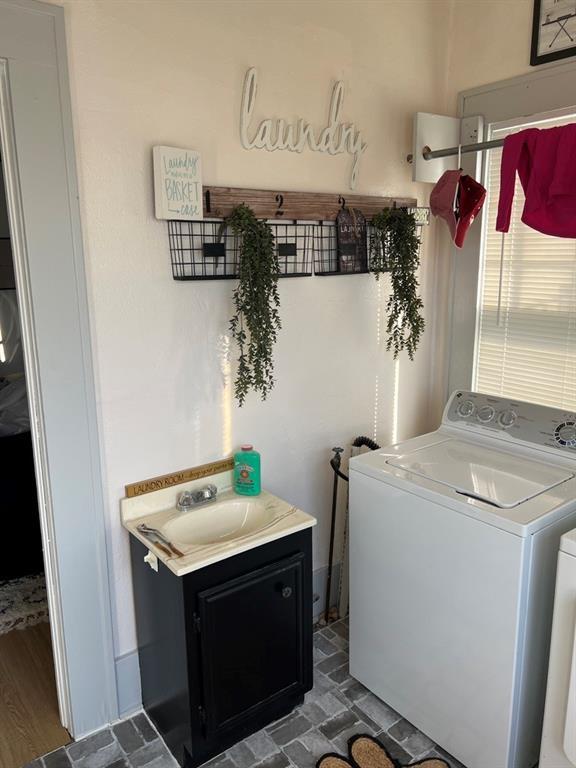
(490, 41)
(171, 72)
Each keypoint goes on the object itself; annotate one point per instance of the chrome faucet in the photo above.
(190, 499)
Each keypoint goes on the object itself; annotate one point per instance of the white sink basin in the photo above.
(219, 522)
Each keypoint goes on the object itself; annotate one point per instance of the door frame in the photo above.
(53, 303)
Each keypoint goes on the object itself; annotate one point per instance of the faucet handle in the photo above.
(209, 491)
(206, 493)
(185, 501)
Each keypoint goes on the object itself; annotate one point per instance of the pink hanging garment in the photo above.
(546, 164)
(457, 199)
(442, 199)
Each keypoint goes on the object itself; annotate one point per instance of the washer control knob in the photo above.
(507, 418)
(565, 434)
(486, 413)
(466, 408)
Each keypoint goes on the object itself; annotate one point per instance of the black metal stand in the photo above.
(337, 458)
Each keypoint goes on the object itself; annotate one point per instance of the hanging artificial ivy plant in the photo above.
(256, 319)
(395, 248)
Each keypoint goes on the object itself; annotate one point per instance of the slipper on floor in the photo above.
(367, 752)
(333, 761)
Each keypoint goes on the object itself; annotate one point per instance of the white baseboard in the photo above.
(128, 682)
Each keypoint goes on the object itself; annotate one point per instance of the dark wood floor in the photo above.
(29, 721)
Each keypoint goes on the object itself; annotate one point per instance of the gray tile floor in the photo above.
(133, 743)
(337, 708)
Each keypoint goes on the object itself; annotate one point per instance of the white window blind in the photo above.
(526, 344)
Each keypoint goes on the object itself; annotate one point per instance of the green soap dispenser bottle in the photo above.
(247, 471)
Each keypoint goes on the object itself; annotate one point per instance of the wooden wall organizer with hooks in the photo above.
(302, 224)
(219, 202)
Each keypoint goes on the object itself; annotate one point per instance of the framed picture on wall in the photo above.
(553, 30)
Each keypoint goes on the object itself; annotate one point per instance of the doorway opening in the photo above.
(29, 712)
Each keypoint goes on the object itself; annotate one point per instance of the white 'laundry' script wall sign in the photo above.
(272, 134)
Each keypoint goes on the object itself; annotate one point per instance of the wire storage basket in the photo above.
(295, 247)
(199, 253)
(350, 259)
(203, 250)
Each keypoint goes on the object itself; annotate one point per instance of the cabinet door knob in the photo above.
(286, 592)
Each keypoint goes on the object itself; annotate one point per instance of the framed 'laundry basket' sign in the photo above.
(553, 30)
(177, 184)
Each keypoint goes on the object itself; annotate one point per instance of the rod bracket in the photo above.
(433, 131)
(435, 143)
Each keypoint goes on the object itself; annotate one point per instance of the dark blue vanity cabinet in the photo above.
(227, 649)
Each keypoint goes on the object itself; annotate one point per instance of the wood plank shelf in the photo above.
(219, 203)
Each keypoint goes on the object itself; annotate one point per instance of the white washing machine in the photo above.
(454, 538)
(559, 732)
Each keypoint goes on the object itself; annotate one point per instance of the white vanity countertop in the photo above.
(158, 508)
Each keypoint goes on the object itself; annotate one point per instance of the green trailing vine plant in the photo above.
(256, 318)
(395, 248)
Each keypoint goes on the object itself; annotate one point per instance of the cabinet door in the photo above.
(252, 642)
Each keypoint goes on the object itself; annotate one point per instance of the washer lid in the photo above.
(502, 479)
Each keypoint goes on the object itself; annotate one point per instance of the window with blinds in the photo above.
(526, 341)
